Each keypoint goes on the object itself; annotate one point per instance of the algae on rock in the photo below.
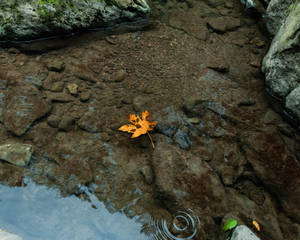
(28, 19)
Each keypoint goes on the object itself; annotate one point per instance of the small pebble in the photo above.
(255, 63)
(53, 121)
(57, 86)
(13, 50)
(85, 96)
(119, 75)
(66, 123)
(55, 66)
(228, 4)
(194, 120)
(260, 43)
(73, 88)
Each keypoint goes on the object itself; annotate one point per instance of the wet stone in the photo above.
(16, 153)
(276, 166)
(37, 80)
(85, 96)
(197, 175)
(53, 121)
(86, 77)
(55, 66)
(195, 106)
(194, 120)
(10, 174)
(66, 123)
(271, 117)
(59, 97)
(225, 12)
(182, 138)
(255, 63)
(260, 43)
(23, 109)
(228, 4)
(223, 24)
(72, 88)
(90, 122)
(239, 42)
(218, 65)
(217, 24)
(119, 76)
(57, 86)
(13, 50)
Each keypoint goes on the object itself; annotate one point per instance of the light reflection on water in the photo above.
(36, 212)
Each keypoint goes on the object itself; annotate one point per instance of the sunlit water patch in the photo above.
(36, 212)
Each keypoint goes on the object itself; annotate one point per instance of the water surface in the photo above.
(37, 212)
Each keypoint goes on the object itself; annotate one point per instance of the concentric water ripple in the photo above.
(184, 226)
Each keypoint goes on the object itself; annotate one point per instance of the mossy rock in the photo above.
(29, 19)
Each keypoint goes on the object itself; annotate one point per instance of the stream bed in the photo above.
(218, 150)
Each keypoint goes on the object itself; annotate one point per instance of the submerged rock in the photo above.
(277, 167)
(16, 153)
(23, 109)
(281, 64)
(31, 19)
(186, 177)
(176, 126)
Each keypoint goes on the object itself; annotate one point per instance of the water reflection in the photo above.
(36, 212)
(184, 226)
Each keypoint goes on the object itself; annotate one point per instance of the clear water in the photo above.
(37, 212)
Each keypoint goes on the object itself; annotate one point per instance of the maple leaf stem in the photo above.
(150, 139)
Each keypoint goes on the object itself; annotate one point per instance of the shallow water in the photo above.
(37, 212)
(178, 60)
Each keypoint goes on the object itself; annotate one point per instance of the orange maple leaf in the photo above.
(139, 125)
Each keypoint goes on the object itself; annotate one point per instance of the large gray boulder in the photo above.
(276, 14)
(281, 64)
(27, 19)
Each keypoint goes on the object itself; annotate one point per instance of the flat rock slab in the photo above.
(23, 109)
(16, 153)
